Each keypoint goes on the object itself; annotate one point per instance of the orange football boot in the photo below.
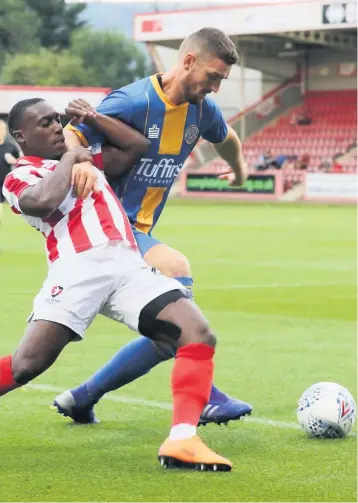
(191, 453)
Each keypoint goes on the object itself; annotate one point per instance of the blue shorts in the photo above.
(144, 241)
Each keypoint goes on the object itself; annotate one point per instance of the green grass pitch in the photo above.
(277, 283)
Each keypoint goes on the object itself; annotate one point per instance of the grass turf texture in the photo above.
(277, 284)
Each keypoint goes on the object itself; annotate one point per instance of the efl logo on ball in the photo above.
(326, 410)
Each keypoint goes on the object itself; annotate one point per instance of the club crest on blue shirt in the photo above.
(191, 134)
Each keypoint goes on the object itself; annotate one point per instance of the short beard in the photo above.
(195, 101)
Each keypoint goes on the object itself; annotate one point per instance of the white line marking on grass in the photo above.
(113, 398)
(321, 265)
(220, 223)
(162, 405)
(271, 422)
(271, 285)
(168, 406)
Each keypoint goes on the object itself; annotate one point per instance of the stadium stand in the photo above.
(327, 143)
(331, 132)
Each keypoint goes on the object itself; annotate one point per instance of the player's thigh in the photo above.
(144, 241)
(74, 292)
(169, 261)
(140, 286)
(154, 304)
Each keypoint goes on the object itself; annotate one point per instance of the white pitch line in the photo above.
(163, 405)
(112, 398)
(238, 286)
(270, 285)
(325, 266)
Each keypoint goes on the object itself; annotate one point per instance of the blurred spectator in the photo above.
(266, 161)
(304, 161)
(336, 167)
(302, 117)
(281, 159)
(262, 160)
(325, 164)
(289, 164)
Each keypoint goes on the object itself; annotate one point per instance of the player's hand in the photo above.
(84, 179)
(231, 177)
(79, 110)
(82, 154)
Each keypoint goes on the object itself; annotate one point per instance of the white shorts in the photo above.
(111, 279)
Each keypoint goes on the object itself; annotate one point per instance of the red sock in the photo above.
(192, 379)
(7, 382)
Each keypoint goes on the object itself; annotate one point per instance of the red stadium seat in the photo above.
(332, 131)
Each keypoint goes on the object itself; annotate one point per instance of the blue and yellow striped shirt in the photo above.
(173, 131)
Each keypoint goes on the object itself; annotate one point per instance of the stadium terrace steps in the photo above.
(349, 160)
(332, 130)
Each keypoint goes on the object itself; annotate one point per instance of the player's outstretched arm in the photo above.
(130, 143)
(113, 165)
(231, 151)
(42, 199)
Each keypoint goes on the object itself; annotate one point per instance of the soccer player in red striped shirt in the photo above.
(95, 268)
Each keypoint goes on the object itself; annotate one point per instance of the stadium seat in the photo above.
(332, 131)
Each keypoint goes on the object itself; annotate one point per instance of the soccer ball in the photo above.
(326, 410)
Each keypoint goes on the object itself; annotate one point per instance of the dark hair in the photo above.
(212, 41)
(16, 114)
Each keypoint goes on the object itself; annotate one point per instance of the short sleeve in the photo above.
(16, 182)
(118, 105)
(212, 125)
(87, 136)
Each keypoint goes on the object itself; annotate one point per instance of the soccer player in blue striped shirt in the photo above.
(173, 111)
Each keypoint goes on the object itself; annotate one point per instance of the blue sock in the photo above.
(188, 283)
(132, 361)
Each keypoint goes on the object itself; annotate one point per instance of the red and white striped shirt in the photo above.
(78, 224)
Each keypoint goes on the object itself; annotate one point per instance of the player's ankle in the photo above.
(182, 431)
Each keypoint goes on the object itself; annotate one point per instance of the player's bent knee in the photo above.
(209, 338)
(178, 267)
(161, 330)
(204, 335)
(172, 319)
(170, 262)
